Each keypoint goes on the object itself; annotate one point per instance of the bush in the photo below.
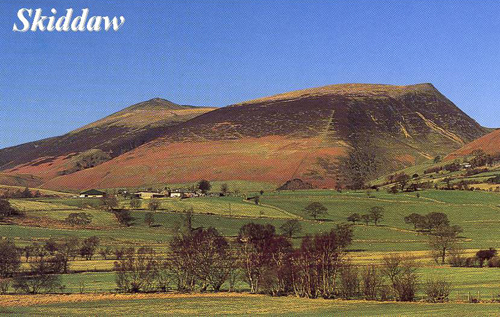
(124, 217)
(494, 262)
(4, 285)
(6, 210)
(79, 219)
(437, 290)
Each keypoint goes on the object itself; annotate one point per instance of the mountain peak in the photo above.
(155, 104)
(350, 90)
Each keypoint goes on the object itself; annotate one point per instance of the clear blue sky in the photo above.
(216, 53)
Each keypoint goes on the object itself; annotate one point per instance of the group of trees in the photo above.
(25, 193)
(201, 259)
(45, 262)
(428, 222)
(443, 237)
(375, 215)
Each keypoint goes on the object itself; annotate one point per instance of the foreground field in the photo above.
(225, 305)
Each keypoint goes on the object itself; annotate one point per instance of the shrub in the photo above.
(437, 290)
(483, 255)
(494, 262)
(124, 217)
(6, 210)
(4, 285)
(79, 219)
(135, 203)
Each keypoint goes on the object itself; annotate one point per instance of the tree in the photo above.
(355, 217)
(51, 246)
(417, 220)
(366, 219)
(371, 282)
(79, 219)
(402, 275)
(154, 204)
(89, 247)
(105, 252)
(6, 210)
(402, 179)
(137, 271)
(135, 203)
(315, 209)
(442, 240)
(316, 266)
(437, 159)
(204, 186)
(291, 228)
(124, 217)
(10, 259)
(254, 241)
(68, 249)
(436, 220)
(149, 219)
(224, 189)
(26, 193)
(376, 214)
(109, 202)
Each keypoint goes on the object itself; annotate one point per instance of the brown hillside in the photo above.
(97, 142)
(490, 144)
(326, 136)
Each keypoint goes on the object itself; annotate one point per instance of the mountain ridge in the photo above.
(320, 135)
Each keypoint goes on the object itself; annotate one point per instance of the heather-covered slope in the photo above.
(490, 144)
(97, 142)
(333, 135)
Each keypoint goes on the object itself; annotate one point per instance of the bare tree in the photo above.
(442, 240)
(291, 228)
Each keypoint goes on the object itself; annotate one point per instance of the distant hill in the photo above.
(97, 142)
(328, 136)
(490, 144)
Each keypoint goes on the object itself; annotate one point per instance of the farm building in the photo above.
(148, 195)
(92, 193)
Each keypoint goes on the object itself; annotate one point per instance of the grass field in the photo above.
(477, 212)
(227, 305)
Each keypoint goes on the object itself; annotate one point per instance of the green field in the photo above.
(476, 212)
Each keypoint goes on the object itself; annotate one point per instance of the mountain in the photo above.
(97, 142)
(328, 136)
(490, 144)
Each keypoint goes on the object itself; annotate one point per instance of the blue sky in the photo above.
(215, 53)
